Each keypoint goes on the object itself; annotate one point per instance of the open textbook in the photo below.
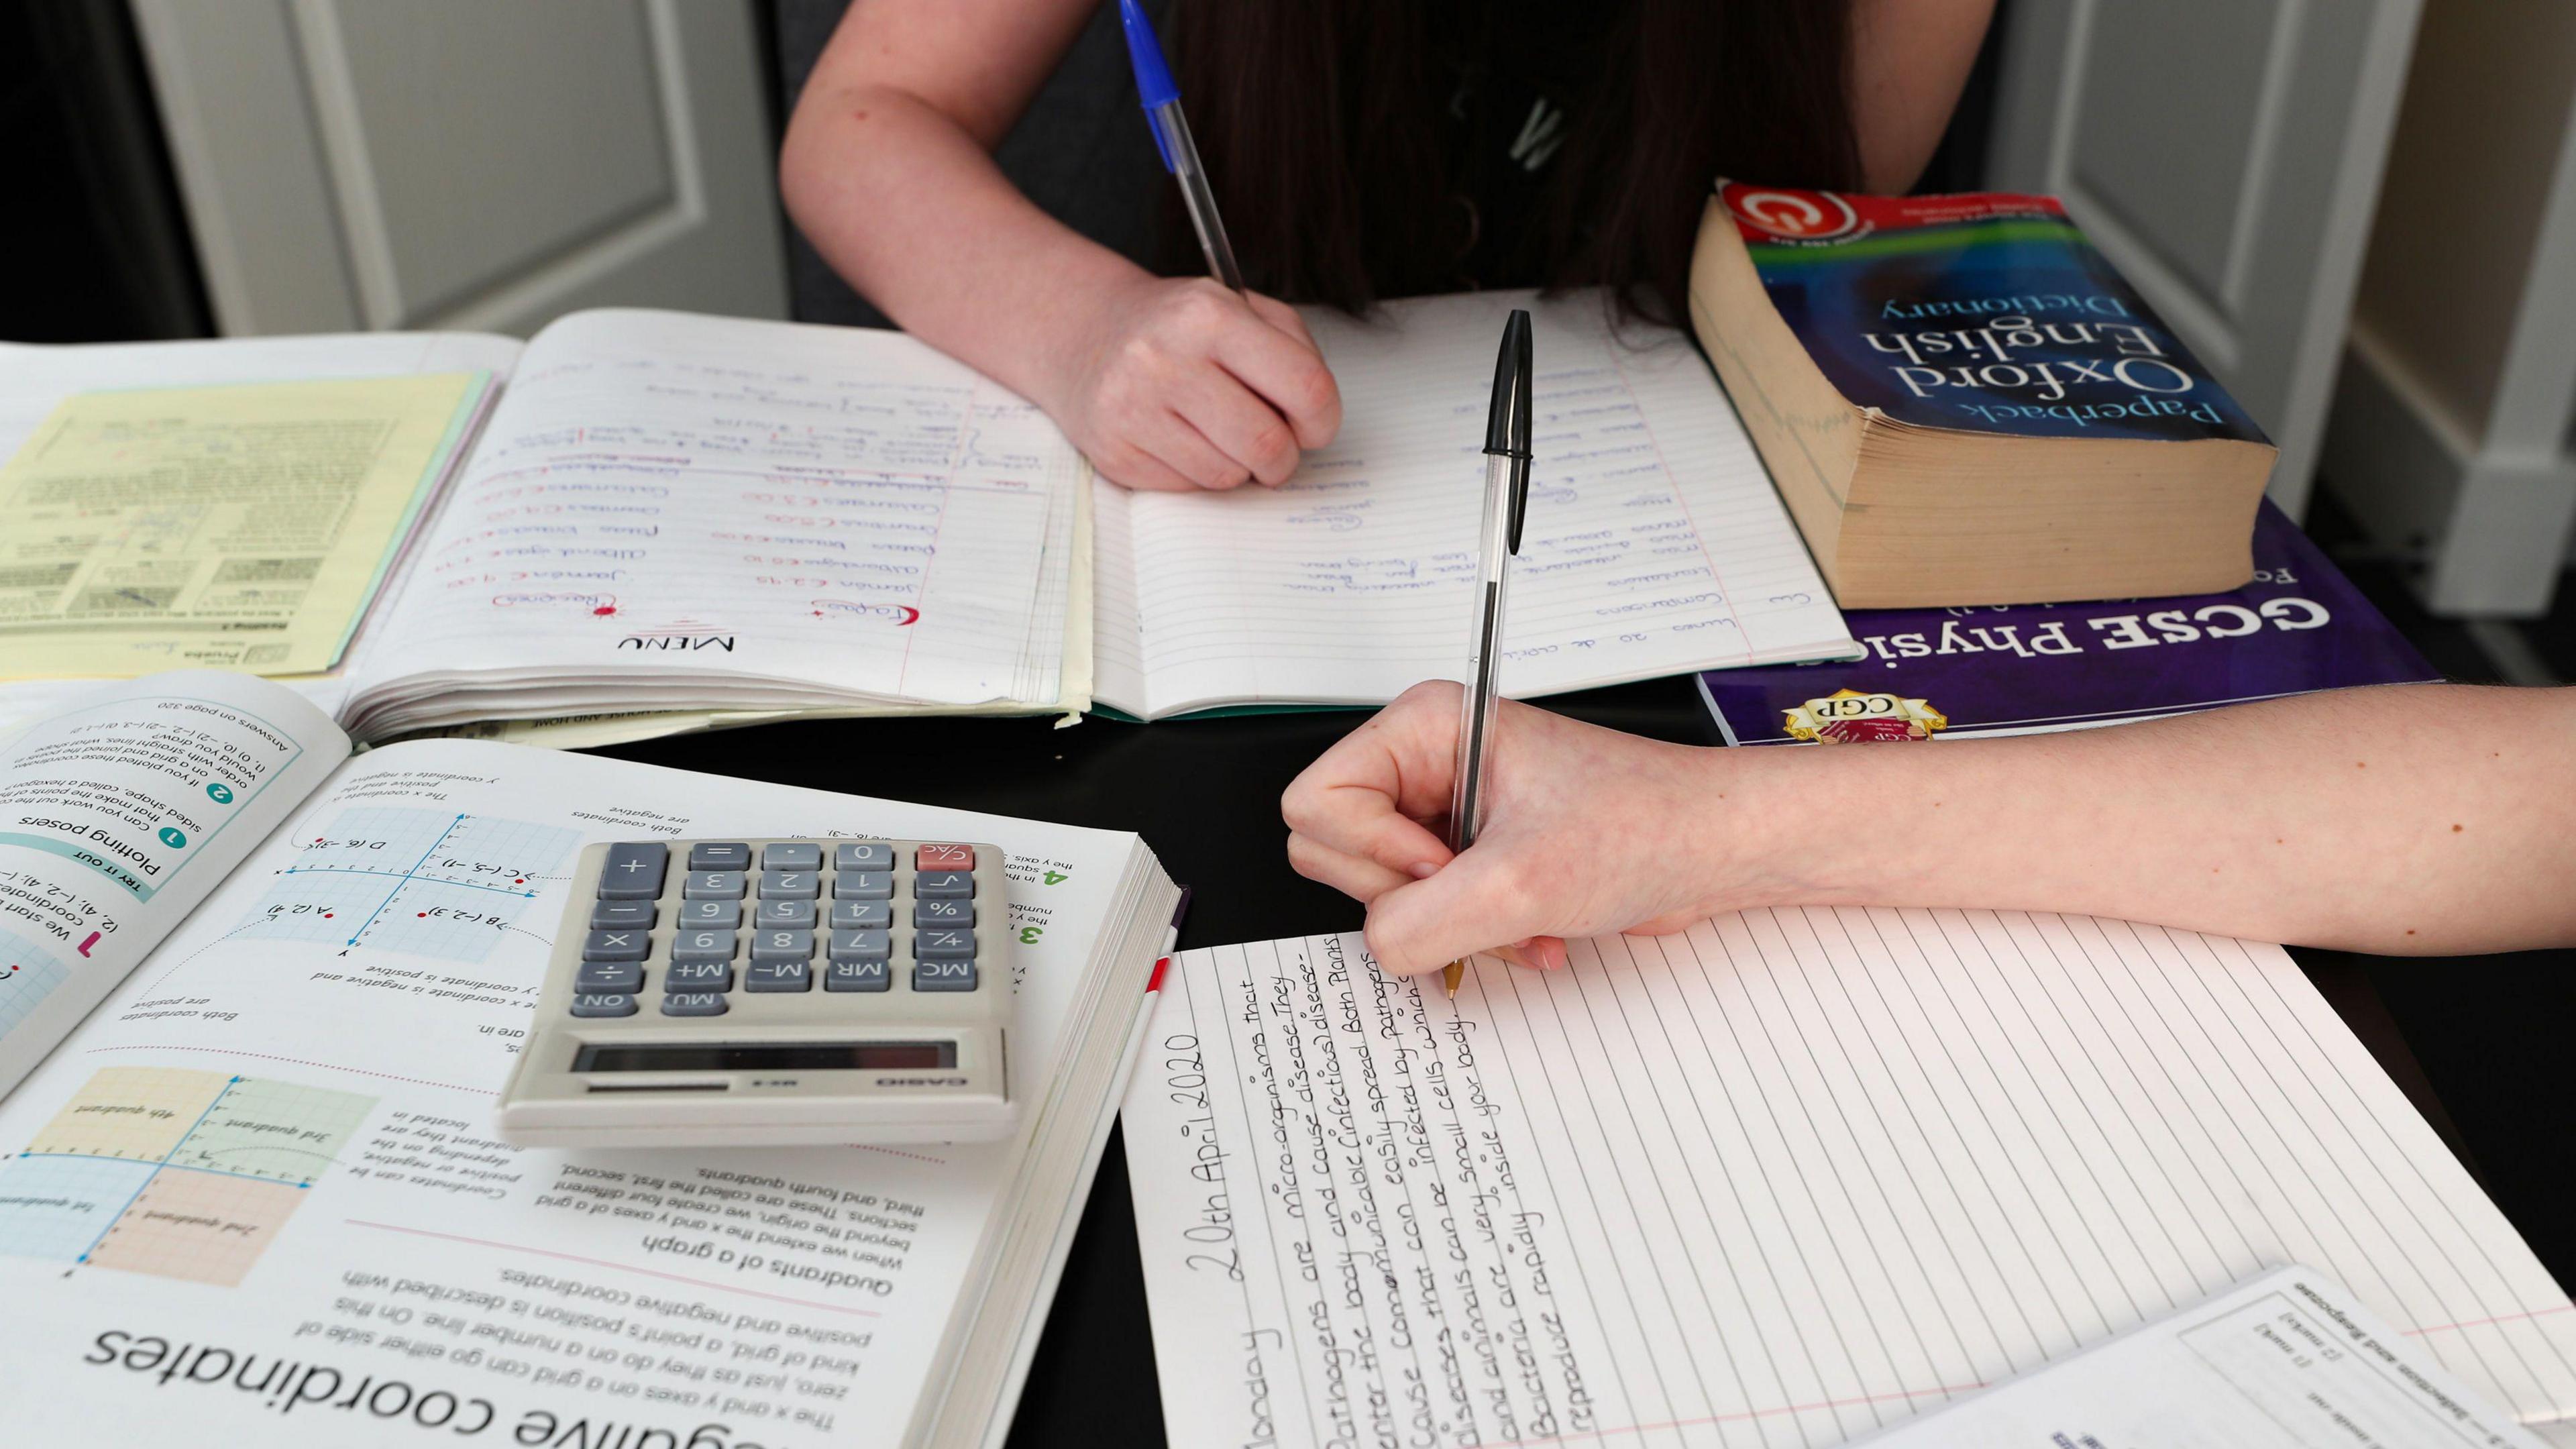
(256, 997)
(1788, 1178)
(714, 520)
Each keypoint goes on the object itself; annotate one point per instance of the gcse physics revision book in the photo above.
(1950, 673)
(256, 998)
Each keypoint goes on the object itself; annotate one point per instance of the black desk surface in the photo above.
(2479, 1043)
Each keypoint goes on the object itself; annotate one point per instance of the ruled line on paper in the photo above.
(1784, 1177)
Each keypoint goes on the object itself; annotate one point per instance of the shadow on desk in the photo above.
(2480, 1044)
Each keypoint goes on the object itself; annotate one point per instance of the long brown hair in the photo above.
(1319, 120)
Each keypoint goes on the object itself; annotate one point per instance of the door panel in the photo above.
(470, 164)
(2225, 155)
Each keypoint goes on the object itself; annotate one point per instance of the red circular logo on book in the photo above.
(1797, 215)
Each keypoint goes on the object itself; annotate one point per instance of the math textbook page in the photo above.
(257, 1194)
(242, 526)
(678, 512)
(121, 809)
(1787, 1178)
(1655, 543)
(2288, 1360)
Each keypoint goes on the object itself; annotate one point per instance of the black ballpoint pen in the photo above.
(1507, 471)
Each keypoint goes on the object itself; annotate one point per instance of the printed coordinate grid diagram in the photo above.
(423, 882)
(180, 1174)
(28, 974)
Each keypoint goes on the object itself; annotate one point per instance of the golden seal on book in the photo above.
(1848, 716)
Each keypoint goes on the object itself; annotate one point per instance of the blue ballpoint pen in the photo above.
(1162, 101)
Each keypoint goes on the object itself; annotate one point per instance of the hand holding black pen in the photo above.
(1507, 470)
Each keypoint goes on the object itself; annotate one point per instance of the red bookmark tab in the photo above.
(1156, 984)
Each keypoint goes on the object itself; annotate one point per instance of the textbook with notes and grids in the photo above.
(672, 521)
(258, 996)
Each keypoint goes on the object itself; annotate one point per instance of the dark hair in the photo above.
(1319, 120)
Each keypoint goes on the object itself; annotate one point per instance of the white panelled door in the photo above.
(355, 165)
(2226, 156)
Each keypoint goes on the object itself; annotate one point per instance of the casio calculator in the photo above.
(706, 993)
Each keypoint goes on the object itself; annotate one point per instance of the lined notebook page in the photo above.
(849, 512)
(1655, 543)
(1781, 1180)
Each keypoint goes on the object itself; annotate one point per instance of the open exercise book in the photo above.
(1785, 1179)
(256, 997)
(717, 520)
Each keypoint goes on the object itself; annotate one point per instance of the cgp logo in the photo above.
(1795, 215)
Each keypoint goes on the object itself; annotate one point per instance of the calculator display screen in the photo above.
(791, 1056)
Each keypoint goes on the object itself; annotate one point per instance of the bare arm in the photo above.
(2424, 819)
(887, 170)
(1909, 60)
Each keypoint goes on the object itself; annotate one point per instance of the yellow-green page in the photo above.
(242, 527)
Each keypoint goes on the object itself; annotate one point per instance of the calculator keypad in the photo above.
(775, 918)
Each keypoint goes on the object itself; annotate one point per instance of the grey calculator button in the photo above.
(789, 885)
(626, 945)
(779, 976)
(693, 1003)
(790, 915)
(943, 913)
(943, 944)
(633, 871)
(603, 1005)
(863, 855)
(711, 915)
(712, 885)
(943, 885)
(719, 855)
(861, 915)
(862, 945)
(856, 976)
(943, 976)
(687, 977)
(610, 976)
(608, 914)
(863, 885)
(782, 945)
(792, 855)
(702, 946)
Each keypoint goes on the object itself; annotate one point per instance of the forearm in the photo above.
(2435, 819)
(907, 206)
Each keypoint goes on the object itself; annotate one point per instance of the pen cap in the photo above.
(1153, 78)
(1507, 421)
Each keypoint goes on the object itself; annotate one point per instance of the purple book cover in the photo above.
(2299, 626)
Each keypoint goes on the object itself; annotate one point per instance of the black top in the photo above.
(1522, 76)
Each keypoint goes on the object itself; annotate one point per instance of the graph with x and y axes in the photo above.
(180, 1174)
(423, 882)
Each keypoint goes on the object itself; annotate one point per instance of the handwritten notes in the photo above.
(1655, 542)
(742, 514)
(1781, 1180)
(239, 527)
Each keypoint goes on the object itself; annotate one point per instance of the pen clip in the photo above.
(1507, 422)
